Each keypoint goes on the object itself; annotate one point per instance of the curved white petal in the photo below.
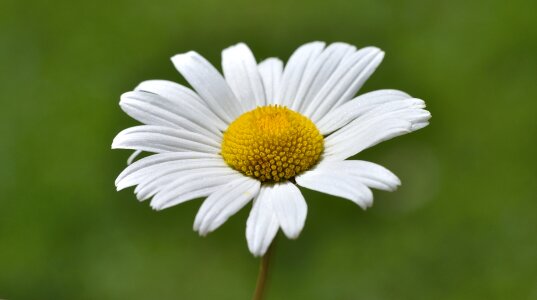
(150, 185)
(370, 174)
(262, 224)
(289, 207)
(350, 179)
(419, 125)
(193, 184)
(209, 84)
(242, 75)
(181, 101)
(294, 71)
(379, 124)
(134, 169)
(344, 82)
(359, 106)
(133, 156)
(152, 109)
(224, 203)
(169, 90)
(318, 72)
(342, 186)
(271, 70)
(160, 172)
(160, 139)
(351, 142)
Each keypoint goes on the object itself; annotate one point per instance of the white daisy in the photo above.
(260, 131)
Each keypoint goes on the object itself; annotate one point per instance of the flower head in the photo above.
(259, 131)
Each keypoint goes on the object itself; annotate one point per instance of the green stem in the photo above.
(263, 274)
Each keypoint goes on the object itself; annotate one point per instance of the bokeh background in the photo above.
(462, 226)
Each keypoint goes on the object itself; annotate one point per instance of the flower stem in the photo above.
(263, 274)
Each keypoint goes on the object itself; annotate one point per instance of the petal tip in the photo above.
(155, 205)
(179, 59)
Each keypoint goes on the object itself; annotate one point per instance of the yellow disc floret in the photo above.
(272, 143)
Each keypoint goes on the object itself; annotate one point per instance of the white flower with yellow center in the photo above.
(260, 131)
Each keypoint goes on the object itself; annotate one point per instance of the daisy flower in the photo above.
(259, 131)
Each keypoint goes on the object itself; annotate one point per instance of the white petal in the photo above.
(164, 171)
(160, 139)
(295, 71)
(271, 70)
(351, 142)
(194, 184)
(152, 184)
(371, 174)
(133, 156)
(224, 203)
(290, 208)
(338, 186)
(242, 75)
(152, 109)
(377, 125)
(318, 72)
(344, 82)
(349, 179)
(209, 84)
(181, 101)
(419, 125)
(262, 224)
(134, 169)
(169, 90)
(359, 106)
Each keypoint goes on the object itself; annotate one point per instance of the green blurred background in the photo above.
(462, 226)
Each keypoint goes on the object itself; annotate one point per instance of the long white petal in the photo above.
(133, 169)
(338, 186)
(407, 110)
(170, 90)
(210, 85)
(159, 169)
(160, 174)
(242, 75)
(152, 109)
(271, 70)
(151, 185)
(181, 101)
(133, 156)
(369, 173)
(351, 142)
(262, 224)
(224, 203)
(290, 208)
(359, 106)
(318, 72)
(197, 183)
(377, 125)
(160, 139)
(350, 179)
(344, 82)
(295, 71)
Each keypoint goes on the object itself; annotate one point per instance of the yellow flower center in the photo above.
(272, 143)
